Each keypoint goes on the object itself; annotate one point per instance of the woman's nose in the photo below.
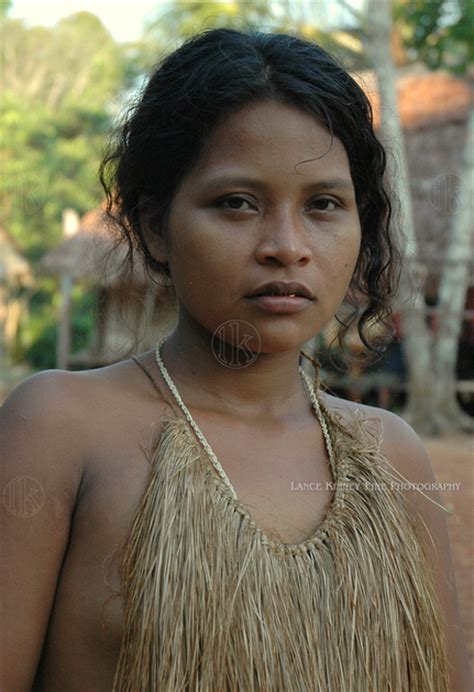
(283, 239)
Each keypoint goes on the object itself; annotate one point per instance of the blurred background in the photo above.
(68, 72)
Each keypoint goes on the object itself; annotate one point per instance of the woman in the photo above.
(212, 520)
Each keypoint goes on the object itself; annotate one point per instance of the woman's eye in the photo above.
(234, 203)
(323, 202)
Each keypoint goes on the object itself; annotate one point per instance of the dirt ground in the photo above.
(452, 460)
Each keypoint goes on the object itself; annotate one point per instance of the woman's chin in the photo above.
(280, 344)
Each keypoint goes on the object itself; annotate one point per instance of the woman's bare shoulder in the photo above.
(73, 392)
(79, 410)
(50, 395)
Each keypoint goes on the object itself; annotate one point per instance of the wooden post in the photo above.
(63, 344)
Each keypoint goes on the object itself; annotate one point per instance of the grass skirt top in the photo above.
(214, 605)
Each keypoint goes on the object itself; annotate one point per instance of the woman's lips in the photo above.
(281, 304)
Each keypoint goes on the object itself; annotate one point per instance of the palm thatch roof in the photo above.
(95, 253)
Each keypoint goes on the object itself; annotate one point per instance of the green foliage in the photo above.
(59, 89)
(5, 6)
(41, 354)
(83, 318)
(438, 32)
(49, 163)
(76, 61)
(40, 331)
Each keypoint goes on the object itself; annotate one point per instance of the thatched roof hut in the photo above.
(132, 310)
(91, 253)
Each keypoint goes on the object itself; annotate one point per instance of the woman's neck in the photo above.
(268, 385)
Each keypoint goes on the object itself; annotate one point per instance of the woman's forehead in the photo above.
(271, 134)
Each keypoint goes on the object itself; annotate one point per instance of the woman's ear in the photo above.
(153, 233)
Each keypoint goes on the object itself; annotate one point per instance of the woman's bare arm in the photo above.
(42, 466)
(407, 454)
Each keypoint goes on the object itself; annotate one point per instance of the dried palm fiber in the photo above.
(212, 604)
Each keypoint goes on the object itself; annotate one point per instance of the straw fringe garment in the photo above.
(214, 605)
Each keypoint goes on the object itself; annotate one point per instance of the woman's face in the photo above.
(269, 200)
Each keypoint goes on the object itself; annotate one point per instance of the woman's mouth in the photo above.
(280, 304)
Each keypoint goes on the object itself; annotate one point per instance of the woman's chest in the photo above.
(284, 484)
(283, 480)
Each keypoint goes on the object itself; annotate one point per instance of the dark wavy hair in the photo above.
(214, 74)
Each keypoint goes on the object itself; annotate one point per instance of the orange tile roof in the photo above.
(423, 98)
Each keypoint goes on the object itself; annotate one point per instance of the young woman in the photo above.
(206, 517)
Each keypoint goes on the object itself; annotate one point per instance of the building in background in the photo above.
(132, 311)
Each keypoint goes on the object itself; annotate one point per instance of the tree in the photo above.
(452, 295)
(59, 86)
(437, 33)
(76, 60)
(432, 407)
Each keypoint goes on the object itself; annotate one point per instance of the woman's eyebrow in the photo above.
(236, 181)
